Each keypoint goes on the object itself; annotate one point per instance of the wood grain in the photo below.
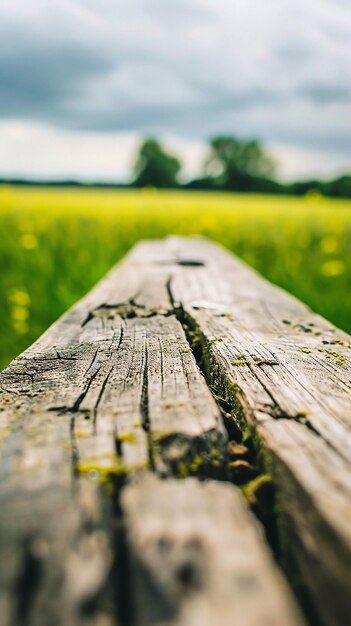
(109, 390)
(214, 570)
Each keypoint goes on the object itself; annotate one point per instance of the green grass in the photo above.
(55, 244)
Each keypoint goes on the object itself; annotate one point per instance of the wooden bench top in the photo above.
(146, 431)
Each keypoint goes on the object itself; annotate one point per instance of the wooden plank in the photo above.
(111, 388)
(275, 361)
(56, 531)
(93, 363)
(198, 557)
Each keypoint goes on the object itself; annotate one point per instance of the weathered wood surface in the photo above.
(93, 399)
(213, 570)
(289, 371)
(113, 390)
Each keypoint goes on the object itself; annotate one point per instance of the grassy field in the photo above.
(56, 243)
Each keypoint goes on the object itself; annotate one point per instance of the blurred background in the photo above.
(123, 120)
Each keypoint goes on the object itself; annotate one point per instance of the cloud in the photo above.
(189, 68)
(326, 93)
(41, 84)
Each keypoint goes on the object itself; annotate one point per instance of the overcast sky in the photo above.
(82, 80)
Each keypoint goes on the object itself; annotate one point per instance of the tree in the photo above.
(155, 167)
(235, 164)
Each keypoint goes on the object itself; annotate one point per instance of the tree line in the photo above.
(232, 165)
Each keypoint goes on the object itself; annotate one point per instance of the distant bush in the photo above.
(154, 167)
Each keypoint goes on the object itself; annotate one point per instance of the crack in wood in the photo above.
(144, 409)
(182, 262)
(262, 503)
